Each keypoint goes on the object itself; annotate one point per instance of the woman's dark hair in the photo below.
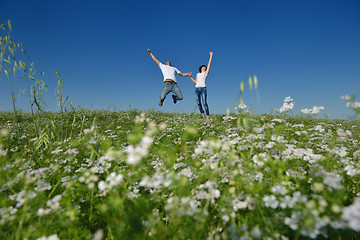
(201, 67)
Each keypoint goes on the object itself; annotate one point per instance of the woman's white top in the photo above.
(201, 80)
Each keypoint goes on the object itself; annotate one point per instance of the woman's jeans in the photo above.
(201, 95)
(171, 87)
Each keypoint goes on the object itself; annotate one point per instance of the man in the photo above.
(170, 84)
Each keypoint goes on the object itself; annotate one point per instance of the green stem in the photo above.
(91, 208)
(21, 222)
(13, 104)
(57, 184)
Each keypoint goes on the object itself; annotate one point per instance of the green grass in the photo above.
(152, 175)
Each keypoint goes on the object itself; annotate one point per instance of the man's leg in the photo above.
(165, 91)
(198, 100)
(176, 90)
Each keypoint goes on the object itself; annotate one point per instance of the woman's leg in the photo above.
(204, 98)
(198, 100)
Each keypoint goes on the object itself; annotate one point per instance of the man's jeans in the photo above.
(201, 95)
(170, 87)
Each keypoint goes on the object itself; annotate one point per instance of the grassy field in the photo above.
(151, 175)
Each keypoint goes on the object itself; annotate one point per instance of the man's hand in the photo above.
(190, 74)
(153, 57)
(211, 53)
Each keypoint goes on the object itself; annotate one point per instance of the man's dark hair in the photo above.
(201, 67)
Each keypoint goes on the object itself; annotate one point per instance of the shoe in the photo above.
(174, 98)
(160, 103)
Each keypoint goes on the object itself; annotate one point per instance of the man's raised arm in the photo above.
(153, 57)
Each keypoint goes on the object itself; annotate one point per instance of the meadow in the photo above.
(153, 175)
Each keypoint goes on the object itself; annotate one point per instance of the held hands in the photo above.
(190, 74)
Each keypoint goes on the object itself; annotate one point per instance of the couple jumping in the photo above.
(170, 84)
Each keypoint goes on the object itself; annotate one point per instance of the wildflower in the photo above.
(41, 185)
(332, 180)
(315, 110)
(318, 187)
(288, 99)
(54, 203)
(225, 118)
(4, 132)
(135, 154)
(341, 133)
(305, 111)
(346, 97)
(51, 237)
(225, 218)
(256, 232)
(22, 196)
(354, 105)
(114, 179)
(339, 151)
(351, 215)
(162, 126)
(287, 202)
(186, 172)
(270, 201)
(278, 189)
(256, 160)
(73, 151)
(42, 212)
(98, 235)
(111, 181)
(211, 194)
(214, 193)
(89, 130)
(278, 120)
(335, 208)
(185, 206)
(270, 145)
(140, 119)
(102, 186)
(356, 153)
(318, 128)
(241, 106)
(2, 152)
(351, 170)
(156, 180)
(238, 204)
(287, 105)
(57, 151)
(292, 222)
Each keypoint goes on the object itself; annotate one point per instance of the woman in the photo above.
(200, 87)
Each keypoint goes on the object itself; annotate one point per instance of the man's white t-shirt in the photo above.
(201, 80)
(169, 72)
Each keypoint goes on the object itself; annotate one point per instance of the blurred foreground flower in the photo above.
(135, 154)
(352, 104)
(351, 215)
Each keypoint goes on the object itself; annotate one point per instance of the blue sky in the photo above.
(306, 49)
